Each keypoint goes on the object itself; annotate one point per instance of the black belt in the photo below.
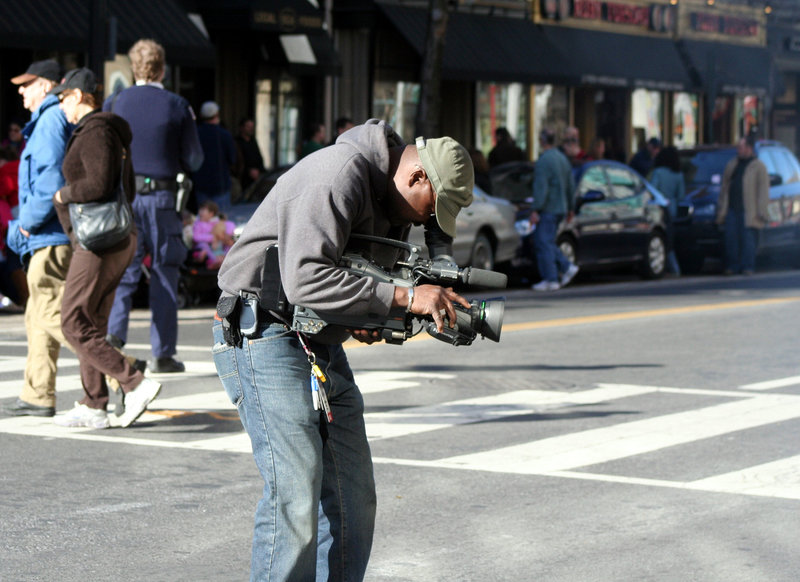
(145, 184)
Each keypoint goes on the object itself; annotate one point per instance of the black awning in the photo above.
(64, 25)
(485, 48)
(620, 60)
(730, 69)
(166, 22)
(310, 54)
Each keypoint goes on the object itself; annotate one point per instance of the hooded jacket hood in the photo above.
(104, 118)
(373, 140)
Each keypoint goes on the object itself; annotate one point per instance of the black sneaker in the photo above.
(166, 366)
(22, 408)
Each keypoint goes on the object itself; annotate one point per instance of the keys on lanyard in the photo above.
(319, 397)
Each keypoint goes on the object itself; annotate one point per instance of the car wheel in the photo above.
(655, 257)
(567, 247)
(482, 256)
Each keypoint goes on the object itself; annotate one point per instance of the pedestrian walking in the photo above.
(553, 187)
(165, 143)
(250, 153)
(37, 237)
(97, 161)
(742, 207)
(212, 181)
(667, 178)
(505, 149)
(316, 517)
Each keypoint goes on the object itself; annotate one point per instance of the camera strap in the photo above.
(319, 397)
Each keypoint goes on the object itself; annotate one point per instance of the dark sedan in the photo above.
(620, 218)
(698, 237)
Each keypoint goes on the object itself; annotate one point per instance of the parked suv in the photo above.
(696, 234)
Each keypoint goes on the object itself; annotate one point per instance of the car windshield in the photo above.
(706, 167)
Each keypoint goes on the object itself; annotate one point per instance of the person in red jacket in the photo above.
(13, 286)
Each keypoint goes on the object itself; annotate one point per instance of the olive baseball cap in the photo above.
(449, 168)
(47, 69)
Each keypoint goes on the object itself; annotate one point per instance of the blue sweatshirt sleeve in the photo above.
(191, 150)
(51, 142)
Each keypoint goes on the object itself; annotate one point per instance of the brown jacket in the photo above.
(93, 162)
(755, 188)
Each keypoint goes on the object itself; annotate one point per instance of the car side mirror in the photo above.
(775, 180)
(592, 196)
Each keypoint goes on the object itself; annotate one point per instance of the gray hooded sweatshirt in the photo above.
(310, 213)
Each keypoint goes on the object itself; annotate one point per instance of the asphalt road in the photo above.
(619, 431)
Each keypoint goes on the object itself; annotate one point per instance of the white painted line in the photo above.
(570, 451)
(17, 363)
(776, 479)
(406, 421)
(769, 385)
(373, 382)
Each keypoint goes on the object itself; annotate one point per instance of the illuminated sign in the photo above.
(653, 17)
(722, 24)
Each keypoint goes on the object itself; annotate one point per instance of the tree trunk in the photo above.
(429, 107)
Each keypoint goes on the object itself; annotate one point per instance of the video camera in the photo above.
(484, 317)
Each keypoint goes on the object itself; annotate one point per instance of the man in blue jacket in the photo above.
(553, 186)
(165, 143)
(38, 238)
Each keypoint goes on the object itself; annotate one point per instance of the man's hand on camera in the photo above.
(437, 302)
(365, 336)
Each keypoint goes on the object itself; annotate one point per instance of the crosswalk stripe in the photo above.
(595, 446)
(561, 456)
(775, 479)
(770, 384)
(17, 364)
(407, 421)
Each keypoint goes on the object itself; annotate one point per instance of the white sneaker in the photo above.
(546, 286)
(82, 415)
(136, 402)
(569, 275)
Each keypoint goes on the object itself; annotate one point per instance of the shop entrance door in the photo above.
(603, 113)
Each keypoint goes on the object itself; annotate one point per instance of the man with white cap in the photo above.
(37, 237)
(315, 520)
(212, 181)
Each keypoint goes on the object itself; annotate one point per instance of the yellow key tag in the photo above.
(317, 371)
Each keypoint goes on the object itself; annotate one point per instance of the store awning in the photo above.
(620, 60)
(485, 48)
(730, 69)
(64, 26)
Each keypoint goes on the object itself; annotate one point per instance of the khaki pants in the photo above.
(47, 272)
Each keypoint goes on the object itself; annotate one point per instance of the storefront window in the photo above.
(264, 120)
(289, 102)
(501, 105)
(551, 111)
(647, 114)
(684, 120)
(396, 103)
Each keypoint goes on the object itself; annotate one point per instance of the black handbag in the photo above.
(101, 225)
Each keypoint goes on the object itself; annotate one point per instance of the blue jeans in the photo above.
(549, 258)
(316, 518)
(740, 243)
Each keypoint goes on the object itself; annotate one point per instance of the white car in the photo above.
(485, 233)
